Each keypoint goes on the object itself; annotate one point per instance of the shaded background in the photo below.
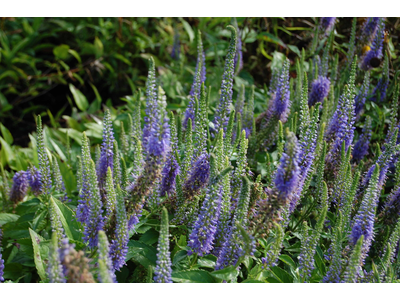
(44, 60)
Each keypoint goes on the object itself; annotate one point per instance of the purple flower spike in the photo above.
(319, 90)
(375, 53)
(199, 175)
(169, 173)
(362, 145)
(359, 100)
(1, 268)
(176, 48)
(287, 175)
(19, 188)
(198, 80)
(223, 110)
(107, 153)
(369, 30)
(35, 180)
(365, 218)
(203, 234)
(327, 24)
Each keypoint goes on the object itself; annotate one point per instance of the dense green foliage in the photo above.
(75, 72)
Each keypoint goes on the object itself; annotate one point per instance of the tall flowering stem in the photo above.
(156, 140)
(198, 80)
(341, 127)
(248, 114)
(307, 147)
(136, 140)
(111, 197)
(385, 158)
(335, 267)
(223, 110)
(240, 165)
(55, 268)
(55, 220)
(272, 255)
(233, 248)
(95, 221)
(379, 93)
(225, 212)
(105, 272)
(363, 224)
(189, 150)
(201, 239)
(58, 181)
(82, 211)
(270, 209)
(151, 104)
(119, 242)
(341, 184)
(310, 240)
(362, 96)
(163, 269)
(106, 155)
(117, 164)
(362, 145)
(44, 162)
(201, 120)
(279, 108)
(171, 168)
(196, 182)
(4, 187)
(391, 209)
(354, 267)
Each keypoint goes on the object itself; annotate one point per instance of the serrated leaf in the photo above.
(179, 256)
(288, 260)
(193, 276)
(188, 29)
(319, 261)
(27, 207)
(56, 203)
(58, 150)
(40, 221)
(74, 227)
(207, 261)
(79, 98)
(6, 134)
(7, 218)
(281, 275)
(142, 253)
(36, 239)
(75, 134)
(149, 237)
(229, 273)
